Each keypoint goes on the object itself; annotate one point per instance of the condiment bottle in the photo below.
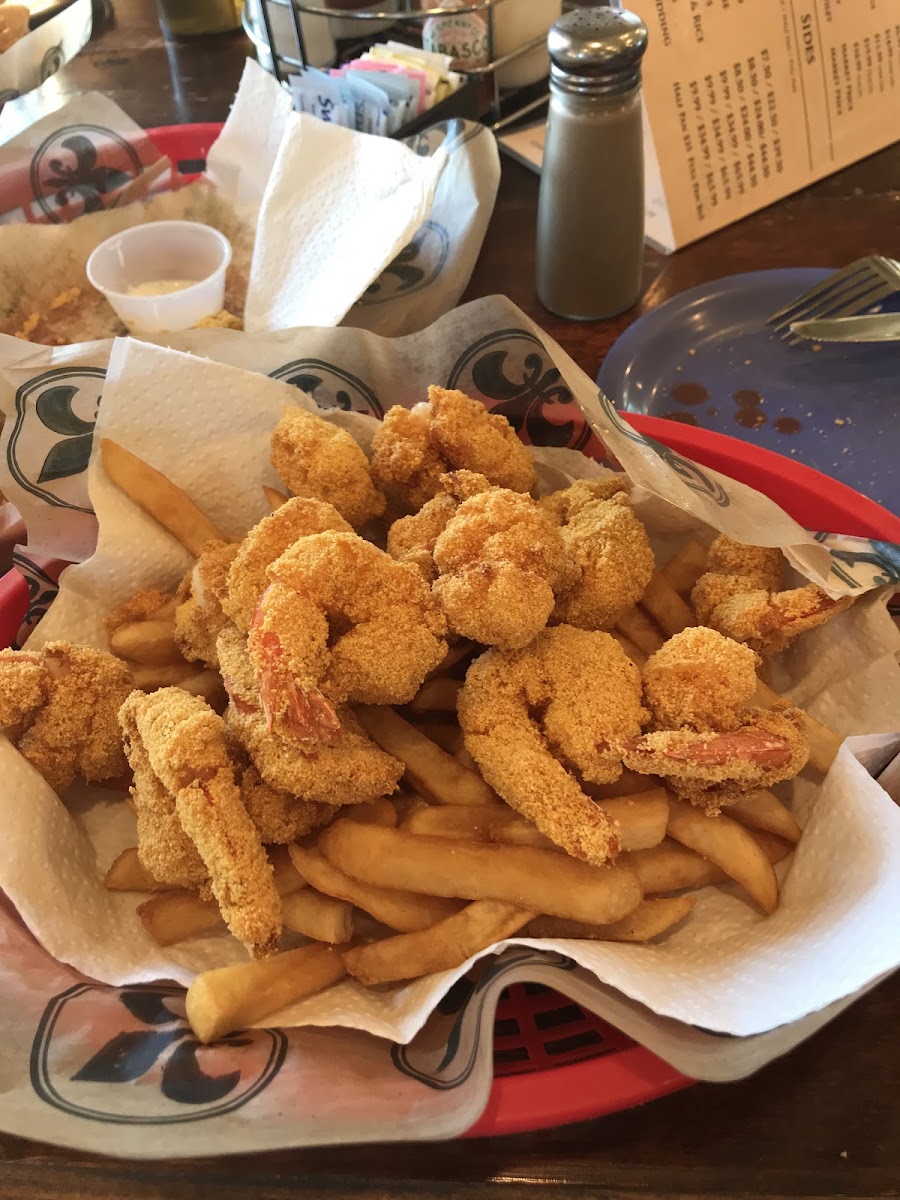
(590, 232)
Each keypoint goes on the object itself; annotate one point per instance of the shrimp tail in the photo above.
(302, 713)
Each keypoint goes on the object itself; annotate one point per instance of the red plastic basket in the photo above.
(554, 1063)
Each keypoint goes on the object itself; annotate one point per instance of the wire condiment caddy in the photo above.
(498, 108)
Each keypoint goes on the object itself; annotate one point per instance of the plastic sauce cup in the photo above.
(162, 250)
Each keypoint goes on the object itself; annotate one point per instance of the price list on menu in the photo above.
(746, 101)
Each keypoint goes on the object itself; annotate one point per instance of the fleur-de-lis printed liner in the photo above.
(31, 61)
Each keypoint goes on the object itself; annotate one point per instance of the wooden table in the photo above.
(823, 1122)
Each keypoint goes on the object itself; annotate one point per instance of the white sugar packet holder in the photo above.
(727, 969)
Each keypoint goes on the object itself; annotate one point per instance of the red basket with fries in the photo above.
(554, 1062)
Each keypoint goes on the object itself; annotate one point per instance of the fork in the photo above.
(858, 286)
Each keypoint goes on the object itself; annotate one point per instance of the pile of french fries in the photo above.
(421, 883)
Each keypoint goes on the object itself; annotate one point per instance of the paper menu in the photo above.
(747, 101)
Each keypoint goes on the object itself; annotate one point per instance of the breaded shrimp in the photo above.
(411, 539)
(143, 605)
(278, 816)
(608, 549)
(351, 771)
(739, 596)
(163, 847)
(700, 680)
(531, 718)
(187, 749)
(705, 742)
(199, 615)
(317, 460)
(341, 621)
(414, 447)
(499, 561)
(247, 580)
(715, 769)
(59, 705)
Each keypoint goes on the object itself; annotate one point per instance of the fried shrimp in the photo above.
(414, 447)
(163, 847)
(142, 606)
(608, 549)
(699, 680)
(705, 742)
(187, 750)
(715, 769)
(340, 621)
(352, 770)
(58, 705)
(199, 615)
(268, 540)
(316, 460)
(411, 539)
(278, 816)
(500, 560)
(739, 596)
(531, 718)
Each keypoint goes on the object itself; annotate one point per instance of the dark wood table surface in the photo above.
(823, 1122)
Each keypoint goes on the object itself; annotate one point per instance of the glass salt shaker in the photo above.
(590, 234)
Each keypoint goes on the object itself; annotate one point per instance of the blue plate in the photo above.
(706, 357)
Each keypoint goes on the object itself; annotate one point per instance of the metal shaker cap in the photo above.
(597, 51)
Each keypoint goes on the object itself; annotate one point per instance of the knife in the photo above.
(876, 327)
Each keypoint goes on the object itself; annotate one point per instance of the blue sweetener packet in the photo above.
(371, 105)
(401, 92)
(323, 96)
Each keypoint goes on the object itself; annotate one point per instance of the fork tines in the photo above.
(849, 291)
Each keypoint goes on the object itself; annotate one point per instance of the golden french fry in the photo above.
(540, 880)
(406, 803)
(649, 920)
(431, 771)
(319, 917)
(444, 946)
(274, 498)
(455, 655)
(441, 730)
(683, 570)
(489, 823)
(628, 784)
(151, 642)
(207, 684)
(824, 743)
(637, 627)
(148, 678)
(399, 910)
(728, 845)
(436, 695)
(376, 812)
(287, 877)
(773, 847)
(763, 810)
(641, 818)
(171, 917)
(670, 866)
(666, 607)
(465, 759)
(637, 656)
(158, 497)
(230, 998)
(128, 874)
